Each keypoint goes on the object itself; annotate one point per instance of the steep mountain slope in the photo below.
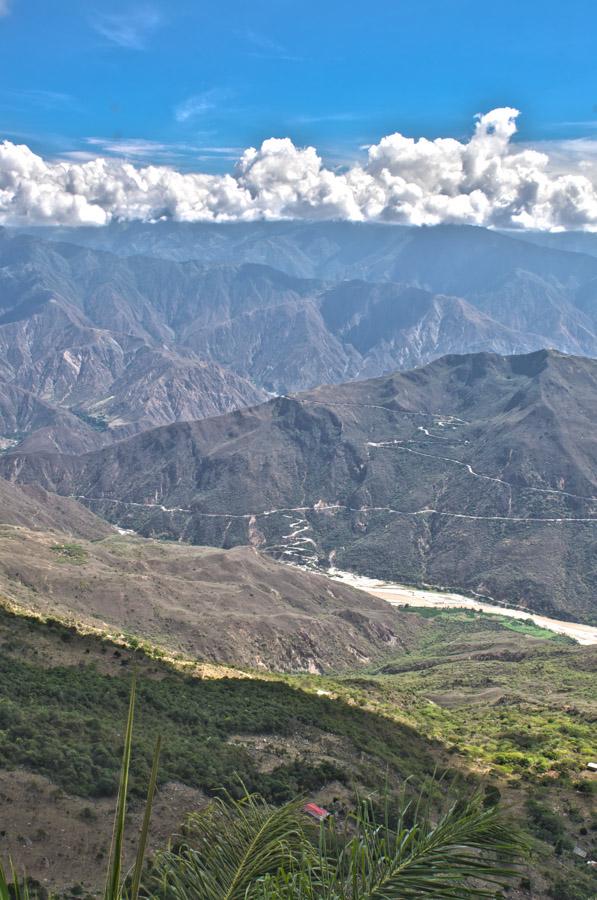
(130, 342)
(30, 507)
(237, 606)
(471, 695)
(64, 697)
(159, 386)
(476, 472)
(223, 606)
(392, 326)
(30, 423)
(76, 334)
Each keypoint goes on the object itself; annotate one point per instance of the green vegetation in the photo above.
(524, 709)
(71, 553)
(509, 704)
(475, 697)
(63, 721)
(116, 887)
(489, 621)
(249, 850)
(100, 423)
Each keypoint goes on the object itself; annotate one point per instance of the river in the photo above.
(402, 595)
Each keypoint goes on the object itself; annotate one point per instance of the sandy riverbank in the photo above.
(402, 595)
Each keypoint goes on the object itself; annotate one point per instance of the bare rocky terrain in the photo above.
(131, 327)
(62, 840)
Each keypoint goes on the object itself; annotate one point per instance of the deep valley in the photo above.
(198, 425)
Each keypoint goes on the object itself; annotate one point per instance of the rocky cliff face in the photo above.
(128, 342)
(85, 358)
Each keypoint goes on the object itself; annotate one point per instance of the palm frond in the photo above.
(113, 881)
(470, 848)
(16, 889)
(468, 853)
(4, 894)
(229, 846)
(143, 836)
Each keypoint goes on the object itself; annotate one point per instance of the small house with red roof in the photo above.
(317, 812)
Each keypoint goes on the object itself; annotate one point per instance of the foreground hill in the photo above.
(64, 699)
(472, 695)
(96, 346)
(225, 606)
(476, 472)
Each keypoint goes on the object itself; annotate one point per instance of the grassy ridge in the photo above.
(503, 697)
(64, 721)
(512, 707)
(515, 706)
(447, 617)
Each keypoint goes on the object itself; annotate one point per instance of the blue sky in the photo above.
(193, 83)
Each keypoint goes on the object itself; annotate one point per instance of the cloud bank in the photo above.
(487, 180)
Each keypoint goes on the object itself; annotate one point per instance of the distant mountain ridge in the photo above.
(329, 250)
(111, 344)
(77, 337)
(476, 472)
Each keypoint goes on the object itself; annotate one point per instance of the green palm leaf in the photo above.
(113, 880)
(144, 834)
(468, 853)
(229, 847)
(465, 854)
(16, 889)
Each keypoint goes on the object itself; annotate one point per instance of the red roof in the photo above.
(318, 812)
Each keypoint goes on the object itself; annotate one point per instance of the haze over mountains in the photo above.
(96, 344)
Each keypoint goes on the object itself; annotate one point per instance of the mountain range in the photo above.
(99, 342)
(475, 472)
(199, 424)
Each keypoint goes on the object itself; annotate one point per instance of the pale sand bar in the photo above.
(402, 595)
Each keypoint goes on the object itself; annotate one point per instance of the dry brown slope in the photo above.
(475, 472)
(30, 506)
(229, 606)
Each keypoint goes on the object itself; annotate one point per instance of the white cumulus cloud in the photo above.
(488, 180)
